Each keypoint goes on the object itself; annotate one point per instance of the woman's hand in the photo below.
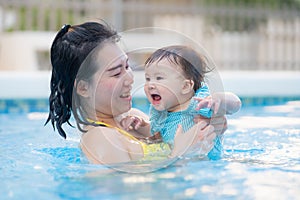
(209, 102)
(199, 136)
(218, 122)
(220, 102)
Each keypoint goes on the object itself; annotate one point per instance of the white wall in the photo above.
(18, 50)
(244, 84)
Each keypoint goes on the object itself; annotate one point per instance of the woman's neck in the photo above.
(108, 119)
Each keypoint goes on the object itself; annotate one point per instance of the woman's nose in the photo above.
(128, 78)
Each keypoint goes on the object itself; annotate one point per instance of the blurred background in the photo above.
(238, 34)
(255, 44)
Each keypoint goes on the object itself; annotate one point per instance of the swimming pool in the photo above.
(262, 160)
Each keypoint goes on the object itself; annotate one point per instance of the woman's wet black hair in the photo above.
(193, 64)
(69, 49)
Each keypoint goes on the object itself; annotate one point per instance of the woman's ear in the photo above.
(188, 86)
(82, 88)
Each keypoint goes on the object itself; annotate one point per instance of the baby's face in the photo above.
(164, 84)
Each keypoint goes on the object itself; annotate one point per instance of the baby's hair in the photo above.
(194, 65)
(69, 49)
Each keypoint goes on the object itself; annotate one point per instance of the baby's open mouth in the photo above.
(156, 97)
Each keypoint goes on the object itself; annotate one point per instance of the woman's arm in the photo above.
(218, 122)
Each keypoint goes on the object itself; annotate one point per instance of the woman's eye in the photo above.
(117, 74)
(127, 67)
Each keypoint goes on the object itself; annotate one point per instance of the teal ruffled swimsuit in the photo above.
(167, 122)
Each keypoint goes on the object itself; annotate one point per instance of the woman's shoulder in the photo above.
(97, 144)
(98, 132)
(108, 145)
(102, 134)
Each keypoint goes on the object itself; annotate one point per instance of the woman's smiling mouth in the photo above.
(126, 96)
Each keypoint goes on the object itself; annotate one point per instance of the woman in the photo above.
(92, 80)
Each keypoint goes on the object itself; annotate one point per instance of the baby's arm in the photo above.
(135, 123)
(220, 102)
(142, 127)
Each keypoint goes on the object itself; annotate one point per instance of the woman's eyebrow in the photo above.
(118, 66)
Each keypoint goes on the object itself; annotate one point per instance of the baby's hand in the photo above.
(208, 102)
(132, 123)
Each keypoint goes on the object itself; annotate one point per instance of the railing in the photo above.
(237, 37)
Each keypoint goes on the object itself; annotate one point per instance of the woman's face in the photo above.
(112, 83)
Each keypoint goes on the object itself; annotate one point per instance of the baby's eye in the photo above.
(147, 79)
(159, 78)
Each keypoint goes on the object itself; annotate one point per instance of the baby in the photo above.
(177, 92)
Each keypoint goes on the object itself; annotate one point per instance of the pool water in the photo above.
(261, 160)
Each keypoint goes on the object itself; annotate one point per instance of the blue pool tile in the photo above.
(41, 105)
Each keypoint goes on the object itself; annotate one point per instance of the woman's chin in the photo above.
(125, 107)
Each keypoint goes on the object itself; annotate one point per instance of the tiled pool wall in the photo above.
(23, 105)
(41, 105)
(28, 92)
